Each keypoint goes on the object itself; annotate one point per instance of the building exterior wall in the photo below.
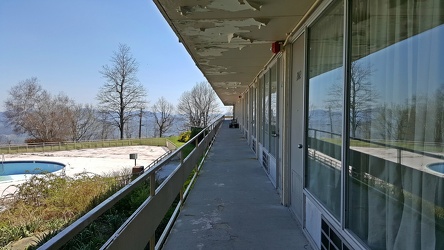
(373, 122)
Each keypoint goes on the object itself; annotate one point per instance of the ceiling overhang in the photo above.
(230, 40)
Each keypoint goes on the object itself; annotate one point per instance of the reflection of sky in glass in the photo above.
(273, 95)
(320, 92)
(266, 101)
(320, 88)
(412, 67)
(253, 111)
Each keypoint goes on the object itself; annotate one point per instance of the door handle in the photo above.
(300, 146)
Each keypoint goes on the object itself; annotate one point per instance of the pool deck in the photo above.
(98, 161)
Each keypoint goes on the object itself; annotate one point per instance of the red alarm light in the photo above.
(276, 47)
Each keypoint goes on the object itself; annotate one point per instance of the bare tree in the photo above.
(163, 116)
(199, 105)
(122, 94)
(105, 128)
(22, 101)
(362, 96)
(83, 122)
(33, 111)
(130, 127)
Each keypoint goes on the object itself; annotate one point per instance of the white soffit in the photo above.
(230, 40)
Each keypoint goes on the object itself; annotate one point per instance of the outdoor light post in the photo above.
(137, 170)
(134, 156)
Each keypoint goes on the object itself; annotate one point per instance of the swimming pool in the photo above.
(10, 168)
(437, 167)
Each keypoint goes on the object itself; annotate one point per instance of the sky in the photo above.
(416, 61)
(65, 44)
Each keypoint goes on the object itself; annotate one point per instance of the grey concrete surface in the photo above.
(233, 204)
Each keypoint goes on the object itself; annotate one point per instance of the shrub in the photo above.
(195, 131)
(50, 202)
(185, 136)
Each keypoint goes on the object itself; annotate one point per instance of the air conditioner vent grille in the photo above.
(330, 239)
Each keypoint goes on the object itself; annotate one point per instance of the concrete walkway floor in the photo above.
(233, 204)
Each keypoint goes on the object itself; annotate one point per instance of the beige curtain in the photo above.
(394, 202)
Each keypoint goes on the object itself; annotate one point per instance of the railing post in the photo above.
(181, 197)
(152, 184)
(196, 168)
(181, 157)
(181, 190)
(153, 242)
(399, 155)
(152, 193)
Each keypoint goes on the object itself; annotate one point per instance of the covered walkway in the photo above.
(233, 204)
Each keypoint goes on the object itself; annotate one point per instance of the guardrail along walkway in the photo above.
(233, 204)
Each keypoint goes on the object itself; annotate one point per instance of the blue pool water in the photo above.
(437, 167)
(28, 167)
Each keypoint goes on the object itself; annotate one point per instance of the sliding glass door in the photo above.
(395, 196)
(325, 105)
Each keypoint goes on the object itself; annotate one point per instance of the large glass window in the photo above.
(395, 182)
(260, 109)
(267, 110)
(245, 111)
(253, 92)
(273, 109)
(325, 105)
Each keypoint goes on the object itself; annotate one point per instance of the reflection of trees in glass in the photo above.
(392, 122)
(266, 106)
(419, 119)
(439, 122)
(311, 113)
(273, 122)
(362, 96)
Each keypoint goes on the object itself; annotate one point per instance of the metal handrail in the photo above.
(139, 229)
(157, 160)
(399, 148)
